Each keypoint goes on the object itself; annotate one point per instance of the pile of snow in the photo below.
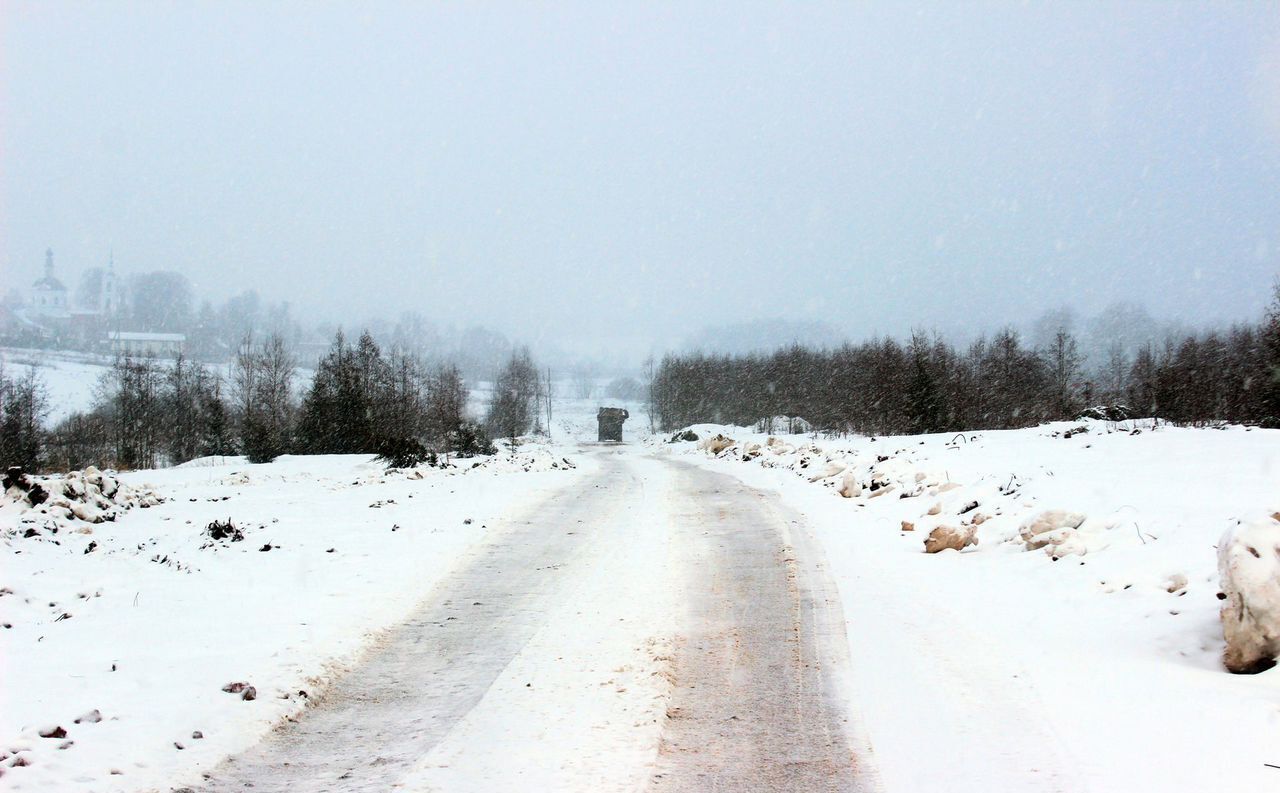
(527, 459)
(36, 505)
(1249, 564)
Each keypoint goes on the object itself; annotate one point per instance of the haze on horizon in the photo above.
(591, 176)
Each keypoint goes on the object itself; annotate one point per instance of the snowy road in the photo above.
(696, 597)
(754, 706)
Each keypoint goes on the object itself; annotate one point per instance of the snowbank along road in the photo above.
(700, 599)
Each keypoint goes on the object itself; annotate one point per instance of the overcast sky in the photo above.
(573, 172)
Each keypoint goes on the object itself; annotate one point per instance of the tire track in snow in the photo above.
(755, 705)
(424, 676)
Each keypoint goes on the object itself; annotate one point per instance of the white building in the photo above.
(48, 296)
(163, 345)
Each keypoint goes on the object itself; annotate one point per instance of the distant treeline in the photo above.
(167, 302)
(150, 413)
(929, 385)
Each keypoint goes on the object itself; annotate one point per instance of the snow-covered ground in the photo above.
(145, 619)
(159, 617)
(999, 668)
(1091, 665)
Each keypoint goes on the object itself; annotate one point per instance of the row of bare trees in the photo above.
(145, 413)
(928, 385)
(148, 413)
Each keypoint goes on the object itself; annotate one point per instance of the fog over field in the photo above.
(614, 180)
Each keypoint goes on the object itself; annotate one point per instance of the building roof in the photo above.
(135, 336)
(49, 282)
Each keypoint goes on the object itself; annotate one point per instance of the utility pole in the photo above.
(548, 403)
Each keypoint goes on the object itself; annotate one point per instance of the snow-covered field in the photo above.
(999, 668)
(70, 378)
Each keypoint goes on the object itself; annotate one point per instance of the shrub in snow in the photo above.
(405, 453)
(1106, 413)
(469, 440)
(849, 486)
(224, 530)
(716, 443)
(1249, 568)
(944, 537)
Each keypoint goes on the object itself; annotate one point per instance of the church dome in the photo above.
(48, 283)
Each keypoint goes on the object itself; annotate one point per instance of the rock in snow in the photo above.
(1055, 531)
(716, 444)
(826, 472)
(849, 486)
(1249, 567)
(944, 537)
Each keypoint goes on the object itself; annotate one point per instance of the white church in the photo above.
(48, 298)
(91, 322)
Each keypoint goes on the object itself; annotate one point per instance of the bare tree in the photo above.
(446, 407)
(1062, 358)
(24, 403)
(584, 381)
(1116, 375)
(262, 380)
(513, 405)
(129, 395)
